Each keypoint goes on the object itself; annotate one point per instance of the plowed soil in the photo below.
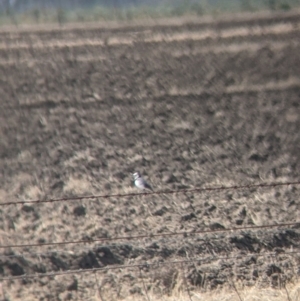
(189, 104)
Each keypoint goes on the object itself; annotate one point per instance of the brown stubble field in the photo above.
(188, 103)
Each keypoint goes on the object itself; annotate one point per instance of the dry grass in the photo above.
(290, 293)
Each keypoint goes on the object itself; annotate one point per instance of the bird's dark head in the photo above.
(136, 175)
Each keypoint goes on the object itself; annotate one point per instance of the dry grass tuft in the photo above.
(292, 293)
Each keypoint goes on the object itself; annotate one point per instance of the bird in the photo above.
(139, 182)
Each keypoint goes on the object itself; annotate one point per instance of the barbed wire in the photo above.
(137, 237)
(146, 264)
(183, 191)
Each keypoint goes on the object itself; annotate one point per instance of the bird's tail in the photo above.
(149, 186)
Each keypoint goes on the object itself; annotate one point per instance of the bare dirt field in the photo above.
(190, 104)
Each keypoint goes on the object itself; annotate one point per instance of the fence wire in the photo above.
(146, 264)
(181, 191)
(137, 237)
